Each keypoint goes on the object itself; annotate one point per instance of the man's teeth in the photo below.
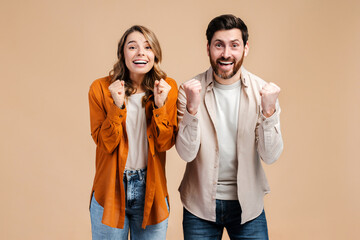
(140, 62)
(226, 63)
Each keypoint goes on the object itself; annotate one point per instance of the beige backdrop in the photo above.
(51, 51)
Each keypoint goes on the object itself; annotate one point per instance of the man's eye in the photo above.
(235, 45)
(218, 45)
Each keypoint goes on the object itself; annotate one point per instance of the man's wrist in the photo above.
(268, 113)
(191, 111)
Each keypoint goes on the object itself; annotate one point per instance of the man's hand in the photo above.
(269, 94)
(192, 90)
(161, 91)
(117, 91)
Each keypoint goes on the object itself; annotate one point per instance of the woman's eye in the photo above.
(147, 47)
(131, 47)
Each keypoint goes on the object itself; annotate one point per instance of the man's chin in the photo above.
(224, 75)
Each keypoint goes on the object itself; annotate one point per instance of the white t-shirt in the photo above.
(136, 133)
(227, 98)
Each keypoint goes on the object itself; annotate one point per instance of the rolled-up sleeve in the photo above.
(269, 139)
(188, 137)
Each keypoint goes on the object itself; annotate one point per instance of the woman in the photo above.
(133, 122)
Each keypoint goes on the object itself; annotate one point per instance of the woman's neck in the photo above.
(137, 80)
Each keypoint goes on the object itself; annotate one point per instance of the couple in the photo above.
(222, 122)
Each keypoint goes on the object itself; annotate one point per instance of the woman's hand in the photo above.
(161, 91)
(117, 91)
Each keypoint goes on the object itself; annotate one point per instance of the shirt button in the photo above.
(157, 115)
(149, 136)
(121, 116)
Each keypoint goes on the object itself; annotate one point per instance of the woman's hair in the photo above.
(121, 72)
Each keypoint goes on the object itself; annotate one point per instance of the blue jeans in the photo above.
(228, 215)
(134, 183)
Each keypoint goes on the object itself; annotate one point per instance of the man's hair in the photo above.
(226, 22)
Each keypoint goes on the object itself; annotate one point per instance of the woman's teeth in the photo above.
(140, 62)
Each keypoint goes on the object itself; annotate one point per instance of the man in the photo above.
(228, 121)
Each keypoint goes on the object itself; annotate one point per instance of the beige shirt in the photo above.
(257, 137)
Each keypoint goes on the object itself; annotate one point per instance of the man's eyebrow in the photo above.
(218, 40)
(234, 40)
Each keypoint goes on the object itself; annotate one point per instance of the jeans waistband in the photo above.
(140, 173)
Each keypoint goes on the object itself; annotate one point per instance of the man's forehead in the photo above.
(233, 34)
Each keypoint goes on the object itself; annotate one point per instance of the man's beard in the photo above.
(224, 75)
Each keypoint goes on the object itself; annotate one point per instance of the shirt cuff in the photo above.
(190, 119)
(116, 114)
(270, 121)
(159, 113)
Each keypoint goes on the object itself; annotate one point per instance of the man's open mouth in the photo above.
(225, 63)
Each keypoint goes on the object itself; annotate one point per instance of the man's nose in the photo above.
(226, 53)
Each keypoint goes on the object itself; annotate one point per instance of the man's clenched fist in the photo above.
(269, 94)
(192, 90)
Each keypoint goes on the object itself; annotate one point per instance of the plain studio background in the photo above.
(51, 51)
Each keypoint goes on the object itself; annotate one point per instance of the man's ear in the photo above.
(208, 49)
(246, 48)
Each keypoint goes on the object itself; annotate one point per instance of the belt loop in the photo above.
(140, 174)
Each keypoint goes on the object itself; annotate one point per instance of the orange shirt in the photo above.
(109, 133)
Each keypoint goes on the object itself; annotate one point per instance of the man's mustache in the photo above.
(229, 59)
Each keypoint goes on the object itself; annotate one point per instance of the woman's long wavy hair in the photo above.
(121, 72)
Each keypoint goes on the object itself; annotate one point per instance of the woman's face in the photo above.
(139, 57)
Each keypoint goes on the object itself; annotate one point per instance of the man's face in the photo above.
(226, 52)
